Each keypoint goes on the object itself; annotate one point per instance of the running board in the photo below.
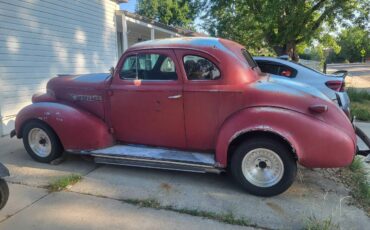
(160, 158)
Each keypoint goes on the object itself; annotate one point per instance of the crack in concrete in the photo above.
(28, 185)
(27, 206)
(165, 208)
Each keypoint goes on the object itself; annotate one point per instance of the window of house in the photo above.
(199, 68)
(149, 67)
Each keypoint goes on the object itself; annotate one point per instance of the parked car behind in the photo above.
(190, 104)
(332, 85)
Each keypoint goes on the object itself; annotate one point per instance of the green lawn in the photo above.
(360, 104)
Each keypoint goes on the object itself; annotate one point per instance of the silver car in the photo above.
(332, 85)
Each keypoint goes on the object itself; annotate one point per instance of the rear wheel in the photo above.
(40, 141)
(4, 193)
(263, 166)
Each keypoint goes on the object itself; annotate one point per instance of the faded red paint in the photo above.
(77, 129)
(207, 116)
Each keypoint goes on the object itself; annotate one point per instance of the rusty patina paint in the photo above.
(206, 117)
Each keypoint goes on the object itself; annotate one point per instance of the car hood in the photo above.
(85, 91)
(84, 81)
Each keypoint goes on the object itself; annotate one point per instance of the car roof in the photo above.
(185, 42)
(273, 59)
(181, 41)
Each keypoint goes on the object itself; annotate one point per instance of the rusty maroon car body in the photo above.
(96, 111)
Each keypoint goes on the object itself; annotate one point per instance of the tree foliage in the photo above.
(281, 24)
(171, 12)
(352, 41)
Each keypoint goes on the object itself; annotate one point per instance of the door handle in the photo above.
(175, 96)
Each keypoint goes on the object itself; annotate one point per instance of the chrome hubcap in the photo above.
(262, 167)
(39, 142)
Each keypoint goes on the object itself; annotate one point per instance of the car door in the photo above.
(201, 92)
(147, 101)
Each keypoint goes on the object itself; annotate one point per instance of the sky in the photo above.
(130, 6)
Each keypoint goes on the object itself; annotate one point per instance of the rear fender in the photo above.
(77, 129)
(315, 143)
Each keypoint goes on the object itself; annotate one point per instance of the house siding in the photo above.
(42, 38)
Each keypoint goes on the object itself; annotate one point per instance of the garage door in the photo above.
(42, 38)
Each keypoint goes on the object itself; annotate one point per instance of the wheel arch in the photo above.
(25, 122)
(271, 122)
(255, 134)
(41, 122)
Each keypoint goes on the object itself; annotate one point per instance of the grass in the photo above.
(63, 182)
(355, 177)
(227, 218)
(360, 104)
(361, 111)
(358, 95)
(313, 223)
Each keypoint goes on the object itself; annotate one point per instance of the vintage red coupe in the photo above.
(191, 104)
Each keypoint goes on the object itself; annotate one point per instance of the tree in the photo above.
(280, 24)
(352, 41)
(171, 12)
(324, 47)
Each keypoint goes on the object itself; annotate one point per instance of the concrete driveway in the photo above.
(101, 199)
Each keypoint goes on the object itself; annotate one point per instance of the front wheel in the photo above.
(41, 143)
(4, 193)
(263, 166)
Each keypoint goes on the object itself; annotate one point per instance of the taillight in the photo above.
(318, 108)
(336, 85)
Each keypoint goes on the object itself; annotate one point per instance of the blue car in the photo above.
(332, 85)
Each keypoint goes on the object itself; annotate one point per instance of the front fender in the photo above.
(316, 143)
(77, 129)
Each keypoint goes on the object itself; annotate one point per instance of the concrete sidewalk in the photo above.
(96, 201)
(67, 210)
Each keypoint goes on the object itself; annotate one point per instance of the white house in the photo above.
(42, 38)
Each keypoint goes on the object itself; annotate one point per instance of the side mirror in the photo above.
(111, 70)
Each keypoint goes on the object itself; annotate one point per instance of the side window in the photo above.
(277, 69)
(286, 71)
(148, 67)
(268, 68)
(128, 70)
(199, 68)
(168, 65)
